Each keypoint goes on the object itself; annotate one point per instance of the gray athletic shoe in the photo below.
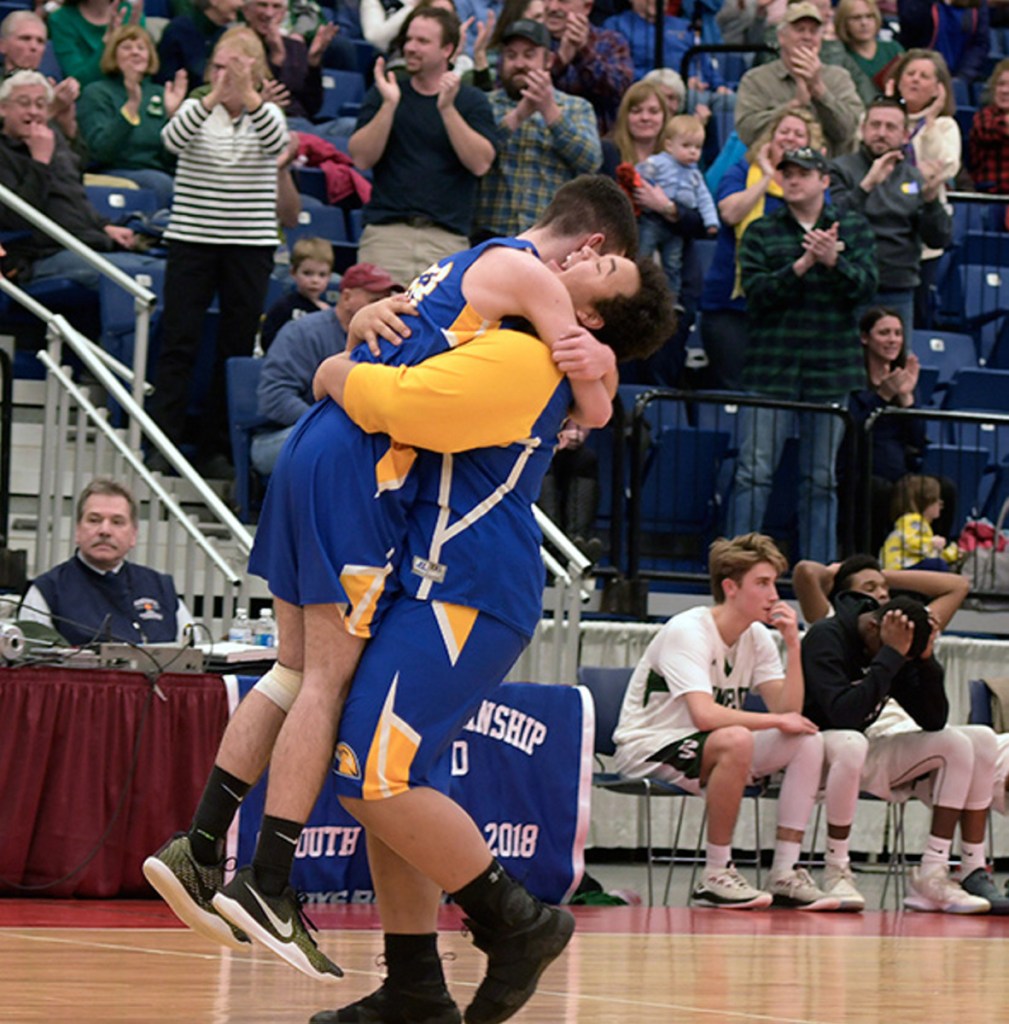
(188, 887)
(278, 922)
(979, 883)
(726, 888)
(797, 890)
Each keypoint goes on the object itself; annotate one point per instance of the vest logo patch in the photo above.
(148, 608)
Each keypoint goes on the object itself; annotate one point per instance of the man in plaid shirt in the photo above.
(805, 269)
(589, 61)
(546, 138)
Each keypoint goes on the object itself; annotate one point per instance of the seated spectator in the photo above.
(23, 44)
(311, 269)
(921, 79)
(675, 171)
(915, 504)
(798, 79)
(747, 191)
(296, 69)
(228, 143)
(682, 720)
(306, 18)
(189, 39)
(37, 163)
(637, 26)
(98, 595)
(80, 29)
(857, 23)
(121, 115)
(591, 62)
(988, 145)
(958, 31)
(285, 384)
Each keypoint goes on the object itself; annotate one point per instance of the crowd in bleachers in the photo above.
(343, 122)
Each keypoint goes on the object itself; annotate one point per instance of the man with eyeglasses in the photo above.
(900, 201)
(37, 164)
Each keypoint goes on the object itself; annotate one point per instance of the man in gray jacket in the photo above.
(900, 201)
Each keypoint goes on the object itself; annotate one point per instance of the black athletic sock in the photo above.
(222, 796)
(274, 856)
(496, 900)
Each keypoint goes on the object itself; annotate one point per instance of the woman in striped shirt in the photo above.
(221, 236)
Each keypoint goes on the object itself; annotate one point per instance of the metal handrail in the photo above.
(47, 316)
(137, 465)
(144, 299)
(82, 347)
(68, 241)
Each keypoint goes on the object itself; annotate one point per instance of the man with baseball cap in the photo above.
(804, 269)
(546, 137)
(798, 78)
(285, 382)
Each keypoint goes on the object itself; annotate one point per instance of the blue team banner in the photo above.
(522, 768)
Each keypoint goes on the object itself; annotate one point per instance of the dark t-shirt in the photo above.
(419, 174)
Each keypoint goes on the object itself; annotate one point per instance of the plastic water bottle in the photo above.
(241, 629)
(265, 633)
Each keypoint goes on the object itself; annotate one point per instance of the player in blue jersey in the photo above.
(472, 581)
(188, 869)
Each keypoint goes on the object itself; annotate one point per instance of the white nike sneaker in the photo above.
(933, 889)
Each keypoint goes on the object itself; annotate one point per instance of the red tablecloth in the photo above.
(68, 738)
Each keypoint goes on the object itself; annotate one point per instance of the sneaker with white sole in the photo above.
(796, 890)
(839, 882)
(979, 883)
(933, 890)
(726, 888)
(188, 887)
(277, 922)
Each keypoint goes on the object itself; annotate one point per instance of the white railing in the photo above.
(143, 298)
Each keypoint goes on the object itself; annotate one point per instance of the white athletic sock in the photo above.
(786, 855)
(936, 851)
(837, 851)
(718, 857)
(972, 857)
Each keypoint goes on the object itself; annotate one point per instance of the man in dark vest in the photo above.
(98, 595)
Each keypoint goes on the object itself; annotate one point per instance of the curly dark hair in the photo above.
(637, 325)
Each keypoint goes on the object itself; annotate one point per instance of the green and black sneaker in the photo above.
(188, 887)
(277, 922)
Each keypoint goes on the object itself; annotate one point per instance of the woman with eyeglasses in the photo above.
(857, 23)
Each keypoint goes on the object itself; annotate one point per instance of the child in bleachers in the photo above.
(915, 505)
(676, 172)
(311, 267)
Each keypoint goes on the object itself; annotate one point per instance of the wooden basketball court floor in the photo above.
(129, 962)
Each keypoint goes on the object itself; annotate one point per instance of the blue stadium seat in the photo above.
(311, 181)
(243, 419)
(319, 221)
(945, 351)
(342, 93)
(970, 471)
(118, 203)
